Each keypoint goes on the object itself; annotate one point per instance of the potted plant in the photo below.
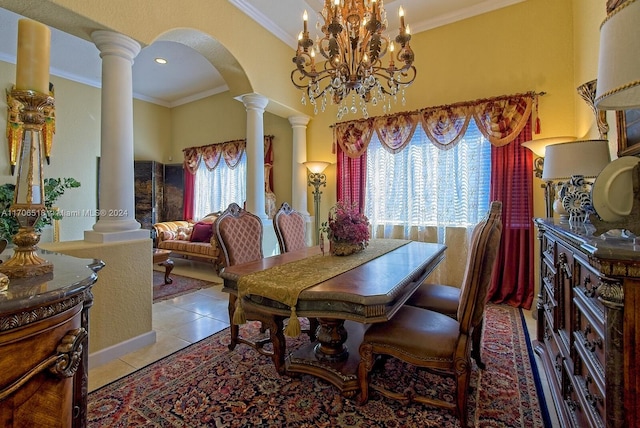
(347, 229)
(53, 189)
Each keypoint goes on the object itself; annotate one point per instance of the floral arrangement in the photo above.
(346, 225)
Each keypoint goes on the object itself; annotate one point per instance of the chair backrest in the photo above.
(290, 228)
(481, 258)
(239, 235)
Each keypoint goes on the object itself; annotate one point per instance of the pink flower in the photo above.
(346, 224)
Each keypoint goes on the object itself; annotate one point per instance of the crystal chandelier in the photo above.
(353, 45)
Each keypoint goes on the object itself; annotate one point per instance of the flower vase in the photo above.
(345, 248)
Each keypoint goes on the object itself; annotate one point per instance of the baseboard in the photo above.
(114, 352)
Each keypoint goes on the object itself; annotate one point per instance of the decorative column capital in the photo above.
(111, 43)
(255, 102)
(299, 121)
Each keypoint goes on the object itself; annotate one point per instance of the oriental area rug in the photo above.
(206, 385)
(180, 285)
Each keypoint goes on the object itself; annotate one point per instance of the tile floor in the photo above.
(186, 319)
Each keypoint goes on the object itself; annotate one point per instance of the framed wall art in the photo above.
(628, 123)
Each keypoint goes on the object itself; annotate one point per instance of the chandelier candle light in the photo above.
(32, 92)
(352, 47)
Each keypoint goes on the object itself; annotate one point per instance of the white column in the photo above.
(298, 170)
(255, 105)
(116, 181)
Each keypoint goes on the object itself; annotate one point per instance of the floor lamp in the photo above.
(317, 179)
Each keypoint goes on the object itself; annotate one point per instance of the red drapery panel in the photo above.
(268, 160)
(511, 183)
(351, 178)
(188, 197)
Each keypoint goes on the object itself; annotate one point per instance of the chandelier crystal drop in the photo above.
(351, 49)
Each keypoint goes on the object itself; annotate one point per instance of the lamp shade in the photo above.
(618, 86)
(584, 157)
(538, 146)
(316, 166)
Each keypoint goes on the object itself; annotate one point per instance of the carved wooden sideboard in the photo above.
(44, 326)
(588, 326)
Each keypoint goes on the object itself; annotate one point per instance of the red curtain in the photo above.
(352, 174)
(188, 198)
(511, 183)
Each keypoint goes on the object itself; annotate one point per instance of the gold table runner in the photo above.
(285, 282)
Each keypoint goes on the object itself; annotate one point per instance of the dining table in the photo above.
(345, 294)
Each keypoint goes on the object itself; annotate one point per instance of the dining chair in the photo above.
(290, 228)
(239, 235)
(446, 299)
(434, 341)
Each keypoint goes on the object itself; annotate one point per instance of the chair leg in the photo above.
(233, 328)
(462, 392)
(476, 338)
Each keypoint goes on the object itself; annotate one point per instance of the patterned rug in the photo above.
(206, 385)
(180, 285)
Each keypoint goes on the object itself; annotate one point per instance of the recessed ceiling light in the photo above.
(161, 60)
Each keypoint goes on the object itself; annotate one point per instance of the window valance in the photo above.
(500, 119)
(230, 151)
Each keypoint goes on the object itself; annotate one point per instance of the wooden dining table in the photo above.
(344, 306)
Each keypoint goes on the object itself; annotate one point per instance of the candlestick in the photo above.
(32, 65)
(28, 199)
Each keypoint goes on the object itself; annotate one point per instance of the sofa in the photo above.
(190, 239)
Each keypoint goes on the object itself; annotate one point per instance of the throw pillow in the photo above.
(168, 235)
(209, 218)
(202, 232)
(184, 233)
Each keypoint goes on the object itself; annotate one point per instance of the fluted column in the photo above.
(298, 170)
(255, 105)
(116, 181)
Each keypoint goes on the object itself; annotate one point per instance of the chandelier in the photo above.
(352, 45)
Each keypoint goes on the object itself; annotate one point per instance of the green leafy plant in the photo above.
(54, 188)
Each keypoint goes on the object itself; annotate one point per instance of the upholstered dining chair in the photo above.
(446, 299)
(434, 341)
(290, 228)
(239, 235)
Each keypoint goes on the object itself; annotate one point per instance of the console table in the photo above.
(588, 326)
(44, 326)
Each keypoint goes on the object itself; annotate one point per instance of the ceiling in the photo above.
(188, 76)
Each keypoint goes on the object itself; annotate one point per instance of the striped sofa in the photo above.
(179, 237)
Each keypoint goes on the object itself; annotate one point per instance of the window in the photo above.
(424, 185)
(216, 189)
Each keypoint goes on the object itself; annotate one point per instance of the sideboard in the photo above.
(588, 324)
(44, 326)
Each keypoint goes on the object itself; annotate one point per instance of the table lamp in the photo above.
(618, 85)
(317, 179)
(537, 147)
(573, 163)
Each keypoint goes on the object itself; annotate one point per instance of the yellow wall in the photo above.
(152, 132)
